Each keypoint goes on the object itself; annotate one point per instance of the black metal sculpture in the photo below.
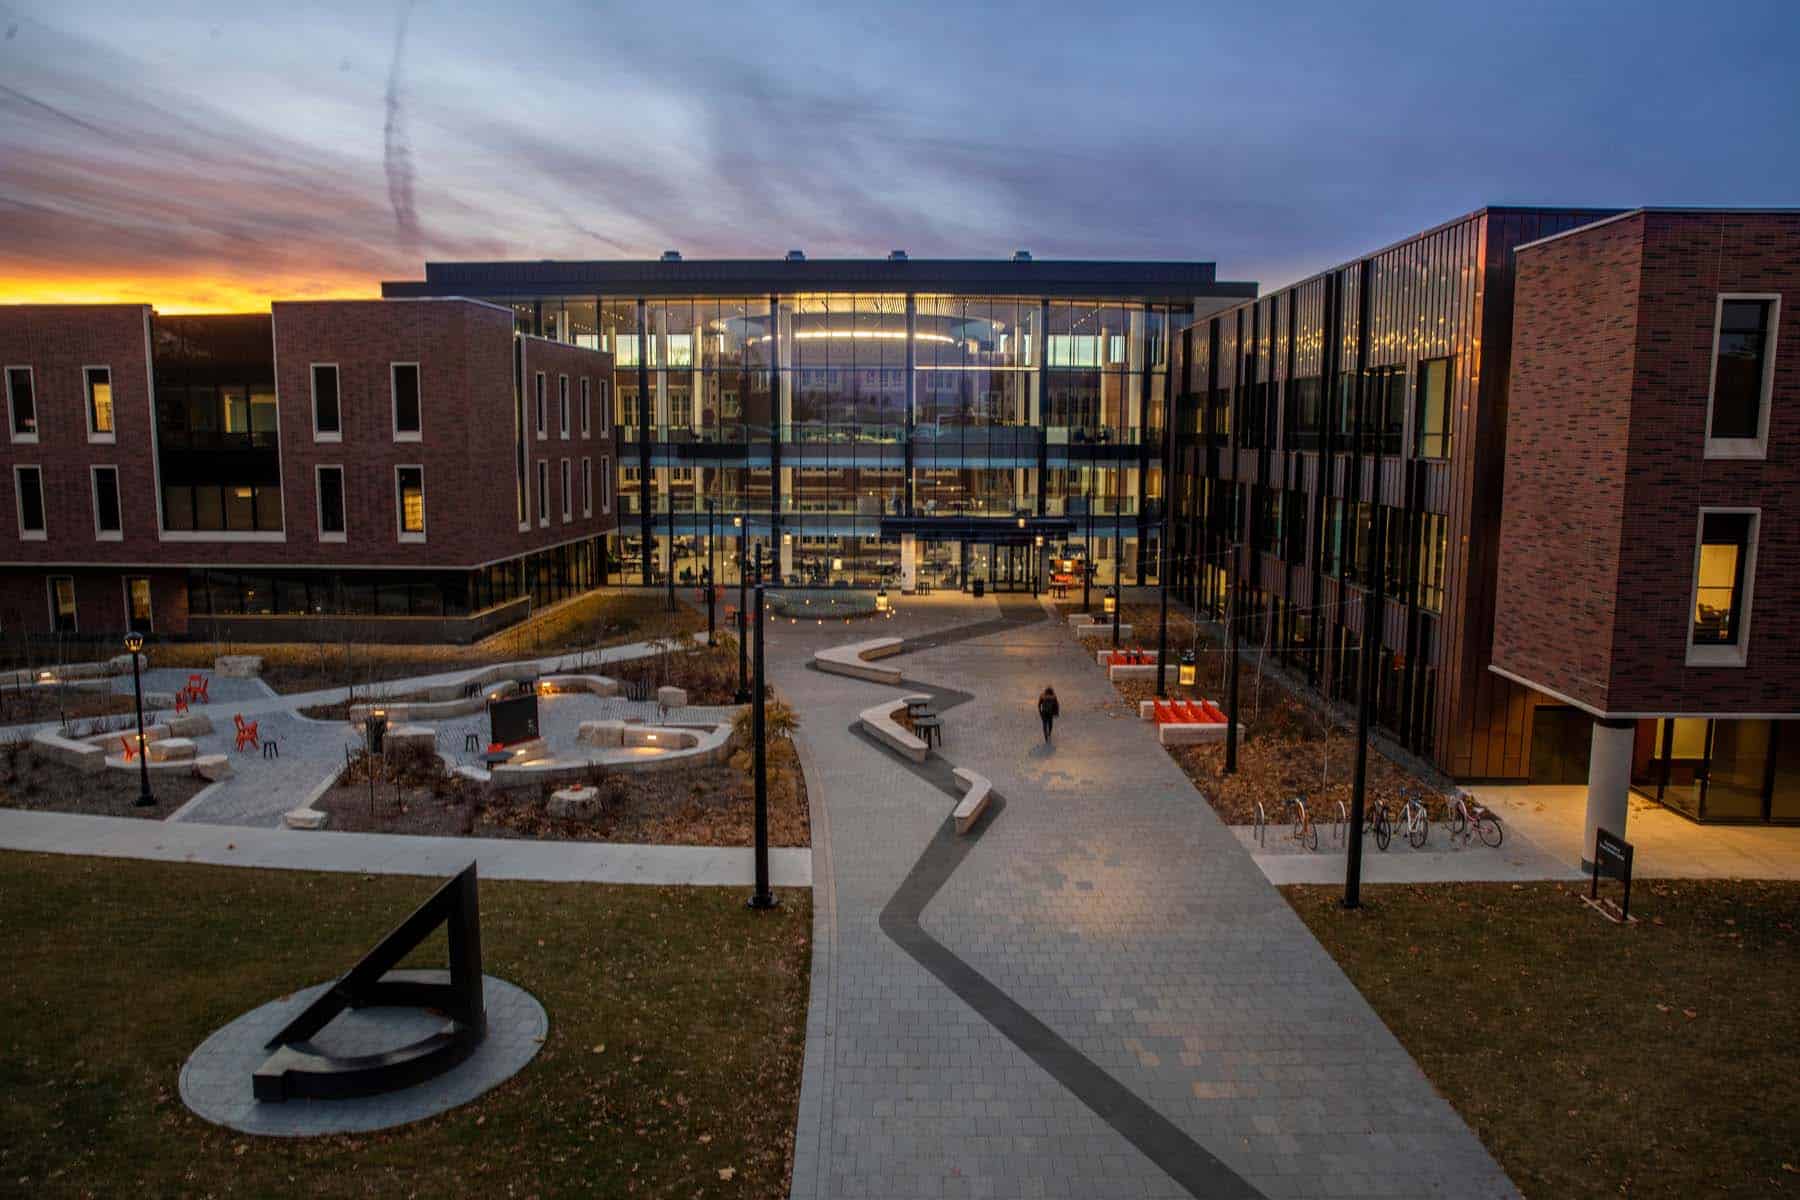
(295, 1070)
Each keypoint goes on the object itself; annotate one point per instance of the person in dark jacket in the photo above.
(1048, 710)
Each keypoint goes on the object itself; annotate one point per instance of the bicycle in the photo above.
(1470, 817)
(1305, 832)
(1414, 819)
(1375, 821)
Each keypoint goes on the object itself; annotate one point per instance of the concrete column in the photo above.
(909, 562)
(787, 556)
(1609, 783)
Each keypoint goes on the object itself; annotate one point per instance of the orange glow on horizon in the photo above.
(175, 295)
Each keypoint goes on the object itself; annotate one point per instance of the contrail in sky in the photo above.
(398, 150)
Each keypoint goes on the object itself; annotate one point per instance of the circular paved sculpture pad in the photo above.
(215, 1080)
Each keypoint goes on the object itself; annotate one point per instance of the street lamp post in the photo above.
(762, 897)
(134, 642)
(711, 572)
(669, 556)
(743, 692)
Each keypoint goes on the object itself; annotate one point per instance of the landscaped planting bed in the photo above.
(30, 782)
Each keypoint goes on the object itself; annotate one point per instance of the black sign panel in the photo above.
(1612, 858)
(513, 720)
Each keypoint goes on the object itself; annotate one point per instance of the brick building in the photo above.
(402, 470)
(1516, 406)
(1649, 571)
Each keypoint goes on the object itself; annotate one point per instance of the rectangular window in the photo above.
(1433, 546)
(99, 403)
(587, 487)
(1743, 375)
(62, 604)
(329, 483)
(562, 404)
(543, 491)
(568, 493)
(138, 616)
(606, 477)
(587, 404)
(21, 404)
(327, 419)
(606, 408)
(538, 397)
(28, 485)
(106, 504)
(1384, 409)
(408, 425)
(1305, 413)
(409, 486)
(1723, 568)
(1431, 423)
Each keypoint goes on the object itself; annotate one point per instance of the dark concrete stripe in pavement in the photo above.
(1132, 1118)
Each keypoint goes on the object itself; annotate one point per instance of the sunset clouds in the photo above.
(210, 157)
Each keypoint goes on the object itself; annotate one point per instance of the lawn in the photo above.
(599, 618)
(1656, 1060)
(672, 1067)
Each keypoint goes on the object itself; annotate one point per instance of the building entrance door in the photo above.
(1006, 568)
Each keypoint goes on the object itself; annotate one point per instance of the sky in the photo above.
(208, 157)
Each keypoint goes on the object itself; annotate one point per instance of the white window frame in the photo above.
(606, 489)
(125, 587)
(343, 501)
(400, 530)
(106, 535)
(312, 383)
(74, 601)
(1758, 446)
(587, 405)
(12, 423)
(30, 535)
(543, 499)
(107, 437)
(587, 487)
(1737, 654)
(562, 404)
(567, 478)
(400, 435)
(540, 419)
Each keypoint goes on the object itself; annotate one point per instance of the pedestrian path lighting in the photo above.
(134, 642)
(1189, 669)
(1110, 604)
(881, 598)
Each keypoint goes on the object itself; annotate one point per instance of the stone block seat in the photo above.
(854, 659)
(1185, 722)
(171, 749)
(880, 722)
(1103, 628)
(975, 800)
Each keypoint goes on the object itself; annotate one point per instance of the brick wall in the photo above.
(1606, 466)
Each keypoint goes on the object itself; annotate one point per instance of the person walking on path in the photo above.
(1048, 710)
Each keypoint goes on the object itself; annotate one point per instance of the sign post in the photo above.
(1612, 857)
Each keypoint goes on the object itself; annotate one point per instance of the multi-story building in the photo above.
(379, 469)
(889, 420)
(1649, 569)
(1554, 422)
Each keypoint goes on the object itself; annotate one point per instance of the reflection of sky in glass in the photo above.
(205, 156)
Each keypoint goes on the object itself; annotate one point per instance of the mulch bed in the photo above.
(689, 806)
(1285, 749)
(38, 785)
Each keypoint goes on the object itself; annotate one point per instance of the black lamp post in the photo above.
(1162, 621)
(743, 692)
(669, 558)
(1112, 605)
(134, 642)
(762, 897)
(1087, 556)
(711, 574)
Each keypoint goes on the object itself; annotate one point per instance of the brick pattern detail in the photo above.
(1606, 466)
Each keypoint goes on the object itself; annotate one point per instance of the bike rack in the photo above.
(1340, 831)
(1261, 826)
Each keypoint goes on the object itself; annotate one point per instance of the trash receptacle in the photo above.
(980, 588)
(376, 729)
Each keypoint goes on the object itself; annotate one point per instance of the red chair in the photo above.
(181, 701)
(1214, 713)
(197, 689)
(1165, 713)
(246, 732)
(130, 750)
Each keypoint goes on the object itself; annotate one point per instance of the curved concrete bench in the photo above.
(974, 801)
(880, 722)
(853, 660)
(687, 746)
(460, 706)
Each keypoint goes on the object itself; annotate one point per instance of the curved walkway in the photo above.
(1119, 1004)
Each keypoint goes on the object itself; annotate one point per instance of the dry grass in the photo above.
(677, 1017)
(1654, 1060)
(38, 785)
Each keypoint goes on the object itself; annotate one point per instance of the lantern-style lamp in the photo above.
(881, 598)
(1189, 670)
(1111, 602)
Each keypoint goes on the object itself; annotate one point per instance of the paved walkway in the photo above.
(1119, 1004)
(394, 854)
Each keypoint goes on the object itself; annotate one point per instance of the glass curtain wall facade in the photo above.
(812, 426)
